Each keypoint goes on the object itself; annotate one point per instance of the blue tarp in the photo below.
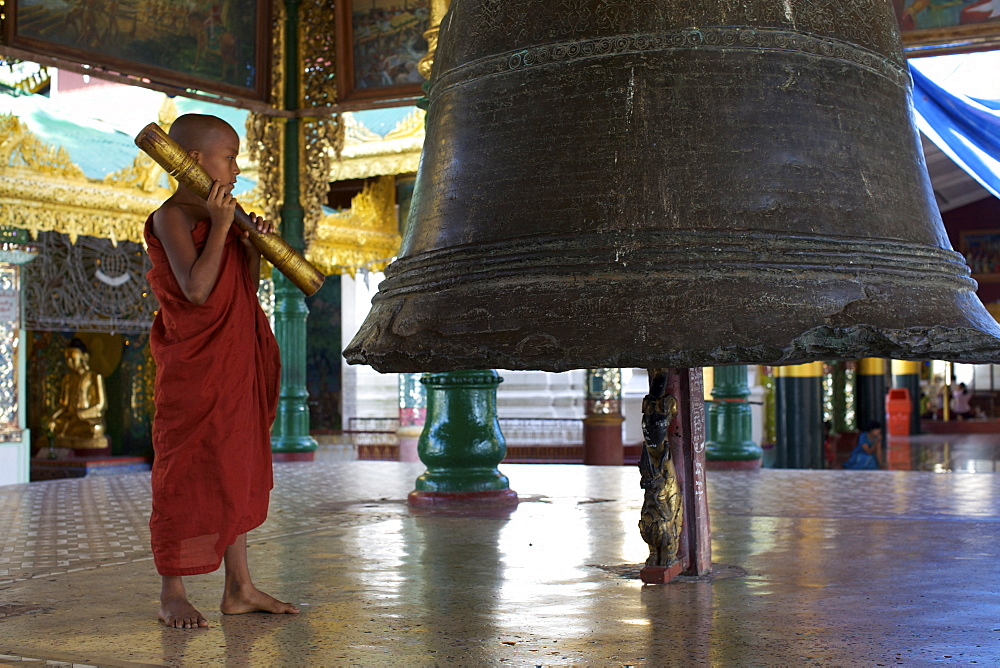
(966, 129)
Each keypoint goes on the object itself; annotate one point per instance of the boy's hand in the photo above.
(221, 205)
(263, 226)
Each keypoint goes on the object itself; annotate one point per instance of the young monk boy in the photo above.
(216, 391)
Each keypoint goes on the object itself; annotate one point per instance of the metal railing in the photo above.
(516, 431)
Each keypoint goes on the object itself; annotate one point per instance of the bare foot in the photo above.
(239, 600)
(178, 613)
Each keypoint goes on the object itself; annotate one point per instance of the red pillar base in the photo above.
(661, 574)
(733, 465)
(602, 440)
(86, 453)
(293, 456)
(499, 498)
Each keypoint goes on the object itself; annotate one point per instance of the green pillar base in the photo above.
(732, 451)
(301, 449)
(729, 445)
(461, 444)
(290, 439)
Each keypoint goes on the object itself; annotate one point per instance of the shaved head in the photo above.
(195, 131)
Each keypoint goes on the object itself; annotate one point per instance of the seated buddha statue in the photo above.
(78, 421)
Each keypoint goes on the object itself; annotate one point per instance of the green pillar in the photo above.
(461, 444)
(290, 439)
(729, 444)
(799, 416)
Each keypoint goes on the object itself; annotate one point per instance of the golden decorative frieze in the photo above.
(363, 167)
(41, 190)
(364, 237)
(21, 148)
(411, 127)
(42, 203)
(367, 154)
(143, 174)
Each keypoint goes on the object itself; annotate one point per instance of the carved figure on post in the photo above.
(662, 507)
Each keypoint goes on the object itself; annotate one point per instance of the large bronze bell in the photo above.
(639, 183)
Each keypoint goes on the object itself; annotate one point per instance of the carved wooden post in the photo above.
(674, 521)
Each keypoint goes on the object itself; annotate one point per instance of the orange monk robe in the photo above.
(216, 393)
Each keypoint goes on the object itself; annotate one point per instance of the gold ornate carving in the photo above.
(322, 135)
(19, 147)
(144, 173)
(366, 236)
(38, 203)
(367, 154)
(438, 9)
(42, 190)
(411, 127)
(265, 139)
(604, 392)
(662, 508)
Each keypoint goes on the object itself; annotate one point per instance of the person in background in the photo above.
(868, 452)
(960, 406)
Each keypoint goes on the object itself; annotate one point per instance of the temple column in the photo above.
(730, 423)
(412, 414)
(461, 443)
(799, 416)
(602, 426)
(870, 392)
(907, 374)
(290, 439)
(15, 446)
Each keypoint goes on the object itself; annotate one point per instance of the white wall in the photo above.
(367, 393)
(15, 456)
(541, 394)
(364, 391)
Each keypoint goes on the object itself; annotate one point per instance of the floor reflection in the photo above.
(945, 453)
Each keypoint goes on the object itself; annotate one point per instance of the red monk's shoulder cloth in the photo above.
(216, 394)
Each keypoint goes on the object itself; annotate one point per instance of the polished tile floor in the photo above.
(813, 568)
(969, 453)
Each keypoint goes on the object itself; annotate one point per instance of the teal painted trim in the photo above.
(461, 443)
(290, 433)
